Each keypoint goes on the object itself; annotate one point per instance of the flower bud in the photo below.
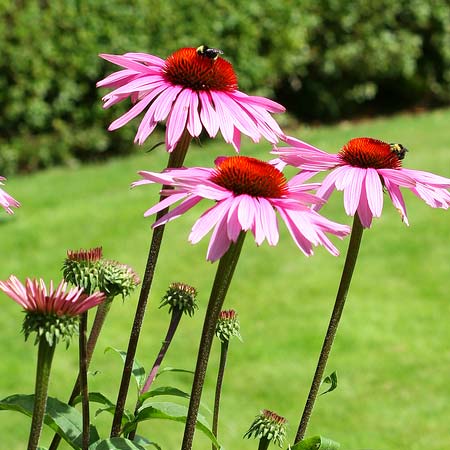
(180, 296)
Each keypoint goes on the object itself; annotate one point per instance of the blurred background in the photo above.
(342, 68)
(325, 60)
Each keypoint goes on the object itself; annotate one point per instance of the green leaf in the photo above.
(138, 369)
(59, 416)
(141, 440)
(108, 405)
(173, 369)
(172, 411)
(115, 443)
(316, 443)
(332, 380)
(164, 390)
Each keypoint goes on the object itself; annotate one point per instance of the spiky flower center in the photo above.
(372, 153)
(268, 426)
(181, 297)
(189, 68)
(91, 255)
(245, 175)
(228, 325)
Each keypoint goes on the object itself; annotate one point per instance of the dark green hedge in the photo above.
(324, 59)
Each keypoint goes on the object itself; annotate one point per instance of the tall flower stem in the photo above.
(220, 373)
(44, 364)
(174, 321)
(350, 262)
(83, 379)
(176, 160)
(99, 320)
(263, 443)
(222, 280)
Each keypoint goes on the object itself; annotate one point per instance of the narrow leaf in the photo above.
(115, 443)
(138, 369)
(177, 413)
(332, 381)
(60, 417)
(164, 390)
(316, 443)
(173, 369)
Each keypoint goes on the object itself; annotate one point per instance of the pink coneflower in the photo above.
(247, 192)
(364, 169)
(6, 201)
(192, 88)
(35, 297)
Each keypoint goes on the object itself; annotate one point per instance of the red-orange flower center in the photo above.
(244, 175)
(187, 67)
(372, 153)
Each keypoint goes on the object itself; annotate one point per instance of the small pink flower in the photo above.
(192, 88)
(6, 201)
(364, 169)
(246, 192)
(35, 297)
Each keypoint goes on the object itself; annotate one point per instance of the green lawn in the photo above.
(391, 352)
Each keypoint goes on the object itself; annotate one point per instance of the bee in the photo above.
(211, 53)
(399, 150)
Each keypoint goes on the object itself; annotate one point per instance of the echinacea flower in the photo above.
(268, 426)
(49, 310)
(193, 89)
(6, 201)
(364, 169)
(247, 193)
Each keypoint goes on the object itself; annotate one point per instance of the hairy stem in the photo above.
(220, 374)
(176, 159)
(219, 290)
(350, 262)
(44, 364)
(83, 379)
(173, 325)
(99, 320)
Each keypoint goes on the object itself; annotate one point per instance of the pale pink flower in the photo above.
(364, 169)
(6, 201)
(246, 192)
(193, 89)
(35, 297)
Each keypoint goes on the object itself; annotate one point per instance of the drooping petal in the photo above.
(397, 199)
(176, 212)
(353, 191)
(374, 192)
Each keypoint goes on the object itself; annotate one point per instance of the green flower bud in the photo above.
(180, 296)
(228, 326)
(268, 426)
(82, 268)
(117, 279)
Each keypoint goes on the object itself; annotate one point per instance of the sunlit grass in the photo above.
(391, 352)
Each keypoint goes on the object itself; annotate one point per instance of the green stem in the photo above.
(44, 364)
(219, 290)
(173, 325)
(350, 262)
(176, 159)
(263, 443)
(83, 380)
(99, 320)
(220, 373)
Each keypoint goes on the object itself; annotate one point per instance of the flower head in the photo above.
(192, 88)
(6, 201)
(269, 426)
(246, 192)
(82, 268)
(228, 326)
(51, 313)
(364, 169)
(117, 279)
(180, 296)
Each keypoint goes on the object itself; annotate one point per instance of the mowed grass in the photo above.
(392, 349)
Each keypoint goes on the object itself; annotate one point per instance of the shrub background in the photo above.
(323, 59)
